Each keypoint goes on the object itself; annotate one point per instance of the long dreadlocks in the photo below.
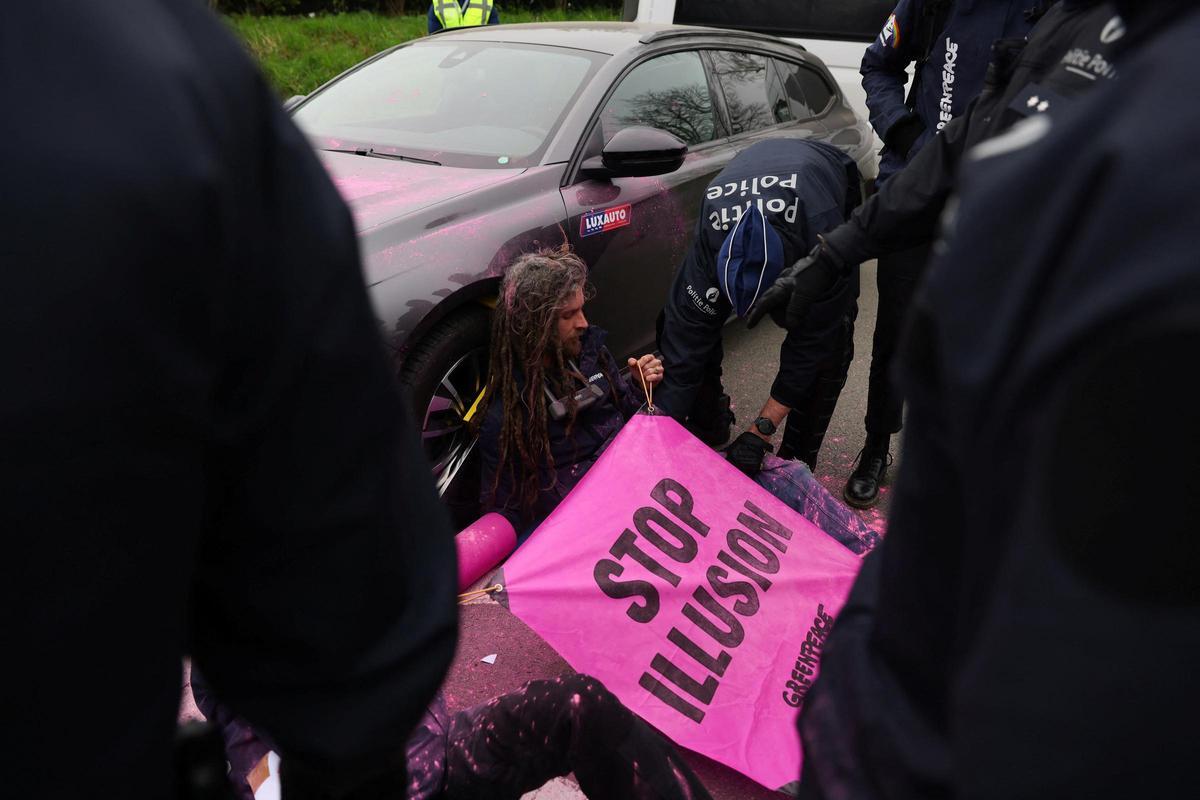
(526, 356)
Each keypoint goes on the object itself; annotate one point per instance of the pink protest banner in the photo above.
(698, 598)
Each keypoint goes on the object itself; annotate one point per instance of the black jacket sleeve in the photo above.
(905, 211)
(693, 317)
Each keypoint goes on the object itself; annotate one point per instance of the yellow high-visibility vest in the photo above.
(452, 15)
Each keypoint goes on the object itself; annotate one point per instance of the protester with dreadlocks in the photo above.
(556, 396)
(555, 393)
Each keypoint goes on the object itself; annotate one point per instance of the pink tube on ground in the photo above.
(482, 545)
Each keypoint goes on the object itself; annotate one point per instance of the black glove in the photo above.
(797, 288)
(746, 453)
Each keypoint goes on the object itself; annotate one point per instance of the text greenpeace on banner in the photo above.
(694, 595)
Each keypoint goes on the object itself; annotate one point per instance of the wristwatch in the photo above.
(765, 426)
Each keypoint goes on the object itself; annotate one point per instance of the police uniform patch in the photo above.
(890, 35)
(605, 219)
(1037, 99)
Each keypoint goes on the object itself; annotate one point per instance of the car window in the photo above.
(856, 20)
(467, 104)
(668, 92)
(754, 94)
(806, 90)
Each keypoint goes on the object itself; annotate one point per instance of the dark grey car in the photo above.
(459, 151)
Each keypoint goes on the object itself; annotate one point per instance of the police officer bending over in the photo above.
(556, 396)
(763, 212)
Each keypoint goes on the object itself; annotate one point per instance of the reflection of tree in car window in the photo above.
(669, 93)
(754, 95)
(685, 111)
(805, 89)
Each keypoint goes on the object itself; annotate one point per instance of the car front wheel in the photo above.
(446, 373)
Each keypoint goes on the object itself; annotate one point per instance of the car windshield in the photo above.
(467, 104)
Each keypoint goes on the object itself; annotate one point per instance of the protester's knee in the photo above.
(583, 689)
(589, 699)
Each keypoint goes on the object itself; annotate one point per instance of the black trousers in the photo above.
(809, 419)
(515, 743)
(897, 277)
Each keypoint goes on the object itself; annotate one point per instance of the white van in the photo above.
(836, 31)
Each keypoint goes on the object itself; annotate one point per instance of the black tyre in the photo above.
(445, 374)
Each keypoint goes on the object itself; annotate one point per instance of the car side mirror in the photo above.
(637, 152)
(293, 101)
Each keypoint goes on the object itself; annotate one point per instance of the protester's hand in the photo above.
(746, 453)
(797, 288)
(650, 366)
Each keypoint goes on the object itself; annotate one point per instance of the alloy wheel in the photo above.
(446, 432)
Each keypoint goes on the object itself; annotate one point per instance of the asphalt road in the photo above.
(751, 358)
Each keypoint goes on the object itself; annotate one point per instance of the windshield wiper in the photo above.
(373, 153)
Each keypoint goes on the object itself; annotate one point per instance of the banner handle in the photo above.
(647, 389)
(466, 597)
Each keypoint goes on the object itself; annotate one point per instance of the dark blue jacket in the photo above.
(1065, 57)
(815, 185)
(572, 454)
(949, 79)
(1035, 628)
(435, 26)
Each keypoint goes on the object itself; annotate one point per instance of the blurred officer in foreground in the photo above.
(203, 449)
(948, 42)
(1006, 642)
(761, 214)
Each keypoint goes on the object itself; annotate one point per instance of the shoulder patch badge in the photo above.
(890, 35)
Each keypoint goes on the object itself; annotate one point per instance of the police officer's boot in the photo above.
(862, 489)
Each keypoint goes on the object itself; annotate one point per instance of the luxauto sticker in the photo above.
(604, 220)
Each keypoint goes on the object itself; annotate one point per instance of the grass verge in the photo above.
(298, 54)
